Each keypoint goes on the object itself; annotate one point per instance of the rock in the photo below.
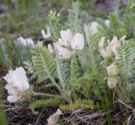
(109, 5)
(3, 8)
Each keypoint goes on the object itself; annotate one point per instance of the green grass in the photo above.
(3, 120)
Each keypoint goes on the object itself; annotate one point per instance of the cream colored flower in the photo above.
(105, 52)
(115, 45)
(60, 51)
(17, 84)
(70, 40)
(47, 34)
(77, 42)
(110, 49)
(107, 23)
(67, 44)
(94, 27)
(112, 82)
(66, 37)
(63, 43)
(112, 70)
(25, 42)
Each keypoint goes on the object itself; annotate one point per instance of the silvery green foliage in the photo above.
(75, 72)
(65, 70)
(6, 52)
(43, 63)
(130, 17)
(3, 53)
(127, 58)
(126, 62)
(54, 22)
(74, 21)
(27, 7)
(13, 52)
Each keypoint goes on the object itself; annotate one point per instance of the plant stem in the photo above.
(52, 79)
(59, 73)
(45, 94)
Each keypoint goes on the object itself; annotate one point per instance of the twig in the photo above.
(5, 105)
(39, 118)
(80, 116)
(126, 105)
(13, 108)
(76, 111)
(94, 115)
(128, 120)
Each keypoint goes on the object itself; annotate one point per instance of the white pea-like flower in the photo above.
(71, 40)
(30, 42)
(66, 37)
(115, 45)
(107, 23)
(17, 84)
(111, 48)
(66, 44)
(105, 52)
(112, 82)
(112, 70)
(25, 42)
(21, 41)
(47, 34)
(62, 52)
(94, 27)
(77, 42)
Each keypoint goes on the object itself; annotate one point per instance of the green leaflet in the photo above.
(43, 103)
(126, 62)
(74, 22)
(86, 104)
(6, 52)
(75, 72)
(43, 62)
(28, 7)
(127, 57)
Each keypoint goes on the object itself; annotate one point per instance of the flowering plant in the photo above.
(17, 84)
(78, 63)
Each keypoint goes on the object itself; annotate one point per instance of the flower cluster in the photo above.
(113, 78)
(111, 49)
(25, 42)
(108, 52)
(67, 44)
(17, 84)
